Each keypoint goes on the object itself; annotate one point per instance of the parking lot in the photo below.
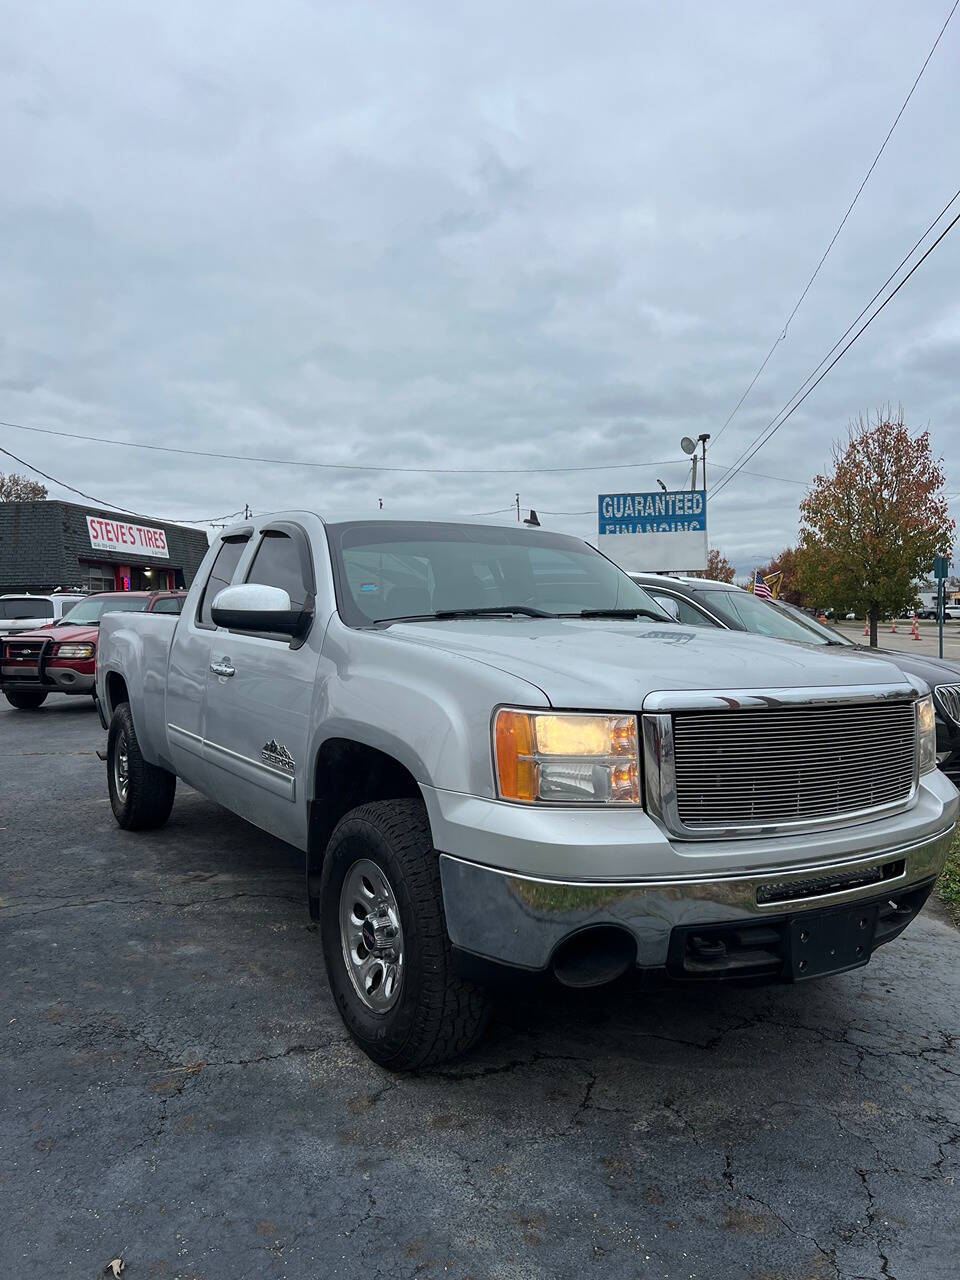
(903, 640)
(177, 1087)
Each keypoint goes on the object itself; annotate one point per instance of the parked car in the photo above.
(27, 612)
(704, 602)
(60, 658)
(500, 755)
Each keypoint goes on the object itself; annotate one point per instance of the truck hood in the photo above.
(610, 664)
(59, 634)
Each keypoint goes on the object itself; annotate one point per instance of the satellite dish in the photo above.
(688, 445)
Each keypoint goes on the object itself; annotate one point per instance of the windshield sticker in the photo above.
(369, 586)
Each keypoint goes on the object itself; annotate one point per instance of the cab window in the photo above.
(687, 613)
(277, 563)
(221, 575)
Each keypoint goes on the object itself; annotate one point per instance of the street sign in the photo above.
(654, 531)
(941, 566)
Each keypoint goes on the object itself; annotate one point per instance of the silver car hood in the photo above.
(602, 663)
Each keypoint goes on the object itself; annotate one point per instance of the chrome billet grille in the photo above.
(948, 696)
(752, 768)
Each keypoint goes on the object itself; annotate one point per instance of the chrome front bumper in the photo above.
(521, 920)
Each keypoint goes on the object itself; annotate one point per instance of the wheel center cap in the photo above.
(379, 933)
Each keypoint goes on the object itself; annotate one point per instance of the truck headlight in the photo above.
(927, 734)
(567, 758)
(76, 650)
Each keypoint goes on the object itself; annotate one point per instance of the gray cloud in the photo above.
(473, 235)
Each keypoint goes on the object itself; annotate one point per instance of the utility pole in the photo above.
(518, 508)
(703, 438)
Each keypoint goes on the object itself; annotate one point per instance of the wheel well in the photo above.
(116, 691)
(349, 774)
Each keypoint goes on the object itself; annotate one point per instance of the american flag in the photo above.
(760, 588)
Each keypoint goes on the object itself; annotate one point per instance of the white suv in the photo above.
(27, 612)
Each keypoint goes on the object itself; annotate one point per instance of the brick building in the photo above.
(45, 545)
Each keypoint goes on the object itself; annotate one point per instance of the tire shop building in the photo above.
(50, 544)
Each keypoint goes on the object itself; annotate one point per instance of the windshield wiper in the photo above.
(491, 611)
(620, 613)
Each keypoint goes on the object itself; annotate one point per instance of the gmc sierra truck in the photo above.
(499, 754)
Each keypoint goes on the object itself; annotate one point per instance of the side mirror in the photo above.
(251, 606)
(670, 605)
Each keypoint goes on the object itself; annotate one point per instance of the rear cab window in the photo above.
(26, 607)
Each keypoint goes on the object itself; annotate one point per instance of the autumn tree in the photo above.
(14, 488)
(718, 567)
(872, 527)
(785, 563)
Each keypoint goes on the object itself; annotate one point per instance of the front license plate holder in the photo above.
(829, 941)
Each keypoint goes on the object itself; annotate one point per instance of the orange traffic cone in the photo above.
(866, 627)
(916, 628)
(893, 627)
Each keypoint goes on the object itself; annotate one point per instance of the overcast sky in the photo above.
(494, 235)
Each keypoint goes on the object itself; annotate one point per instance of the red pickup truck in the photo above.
(61, 658)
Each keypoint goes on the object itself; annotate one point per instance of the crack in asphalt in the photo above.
(829, 1254)
(10, 910)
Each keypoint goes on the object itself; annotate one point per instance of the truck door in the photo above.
(189, 667)
(259, 695)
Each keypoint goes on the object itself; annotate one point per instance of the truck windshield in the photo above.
(88, 612)
(388, 571)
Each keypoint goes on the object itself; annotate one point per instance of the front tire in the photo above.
(385, 941)
(25, 699)
(141, 794)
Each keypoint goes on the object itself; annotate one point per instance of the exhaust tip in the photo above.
(594, 956)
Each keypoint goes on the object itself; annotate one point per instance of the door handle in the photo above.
(223, 667)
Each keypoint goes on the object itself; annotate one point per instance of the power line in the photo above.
(102, 502)
(339, 466)
(761, 475)
(741, 457)
(761, 442)
(833, 238)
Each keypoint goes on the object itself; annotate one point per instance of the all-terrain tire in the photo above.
(437, 1015)
(141, 794)
(25, 699)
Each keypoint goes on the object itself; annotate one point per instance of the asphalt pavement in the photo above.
(903, 640)
(176, 1086)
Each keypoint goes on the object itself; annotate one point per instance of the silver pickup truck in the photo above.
(499, 754)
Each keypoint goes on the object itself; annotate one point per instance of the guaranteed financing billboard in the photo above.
(653, 532)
